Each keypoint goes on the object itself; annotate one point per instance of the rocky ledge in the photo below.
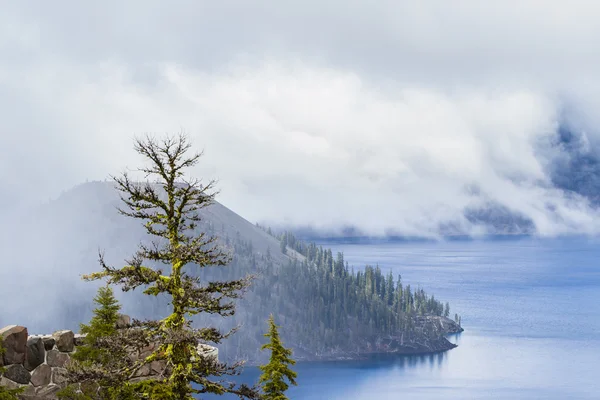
(37, 363)
(427, 336)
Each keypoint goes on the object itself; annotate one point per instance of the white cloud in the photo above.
(334, 114)
(388, 115)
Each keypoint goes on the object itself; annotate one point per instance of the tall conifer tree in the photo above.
(169, 207)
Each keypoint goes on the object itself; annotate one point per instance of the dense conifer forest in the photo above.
(323, 305)
(326, 308)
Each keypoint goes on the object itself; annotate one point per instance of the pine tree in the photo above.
(274, 373)
(169, 208)
(94, 354)
(6, 393)
(283, 244)
(103, 324)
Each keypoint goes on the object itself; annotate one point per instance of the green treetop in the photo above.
(97, 353)
(103, 324)
(274, 374)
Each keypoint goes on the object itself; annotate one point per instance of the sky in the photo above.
(388, 115)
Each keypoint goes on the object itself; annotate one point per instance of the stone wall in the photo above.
(37, 362)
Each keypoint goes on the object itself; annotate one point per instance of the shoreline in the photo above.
(393, 346)
(369, 356)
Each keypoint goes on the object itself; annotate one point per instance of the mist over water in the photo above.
(403, 124)
(531, 313)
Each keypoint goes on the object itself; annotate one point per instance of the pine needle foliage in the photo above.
(277, 370)
(95, 355)
(102, 325)
(169, 207)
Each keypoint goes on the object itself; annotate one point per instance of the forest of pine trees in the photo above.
(323, 306)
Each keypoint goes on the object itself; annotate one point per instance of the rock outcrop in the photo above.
(36, 353)
(428, 335)
(38, 363)
(64, 341)
(14, 338)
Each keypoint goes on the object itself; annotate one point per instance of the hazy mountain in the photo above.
(49, 247)
(326, 310)
(578, 169)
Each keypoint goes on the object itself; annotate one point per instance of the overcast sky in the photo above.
(378, 114)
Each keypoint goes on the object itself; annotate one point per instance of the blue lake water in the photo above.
(531, 313)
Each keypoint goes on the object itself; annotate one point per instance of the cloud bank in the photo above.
(399, 117)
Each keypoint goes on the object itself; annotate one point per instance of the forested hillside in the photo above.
(327, 310)
(325, 307)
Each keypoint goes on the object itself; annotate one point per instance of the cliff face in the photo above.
(429, 337)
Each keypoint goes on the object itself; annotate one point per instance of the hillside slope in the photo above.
(327, 311)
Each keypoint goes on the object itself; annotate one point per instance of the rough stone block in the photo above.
(29, 391)
(41, 375)
(207, 351)
(17, 373)
(36, 353)
(78, 339)
(59, 376)
(55, 358)
(49, 342)
(65, 340)
(48, 391)
(14, 338)
(7, 383)
(123, 321)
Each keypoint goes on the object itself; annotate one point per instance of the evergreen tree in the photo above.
(103, 324)
(6, 393)
(283, 244)
(277, 370)
(93, 354)
(169, 208)
(447, 310)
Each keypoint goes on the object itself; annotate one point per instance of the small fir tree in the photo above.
(103, 324)
(95, 354)
(277, 370)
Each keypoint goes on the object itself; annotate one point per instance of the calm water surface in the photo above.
(531, 313)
